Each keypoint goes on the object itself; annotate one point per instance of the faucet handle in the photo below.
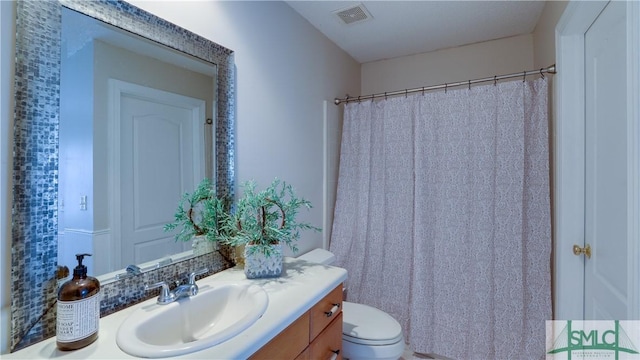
(134, 270)
(191, 277)
(166, 296)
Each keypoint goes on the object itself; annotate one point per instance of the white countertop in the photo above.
(301, 285)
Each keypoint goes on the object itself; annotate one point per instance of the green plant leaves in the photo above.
(261, 218)
(267, 217)
(200, 213)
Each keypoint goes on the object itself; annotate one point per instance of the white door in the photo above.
(606, 190)
(161, 157)
(597, 163)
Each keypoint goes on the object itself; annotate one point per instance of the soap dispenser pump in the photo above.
(78, 317)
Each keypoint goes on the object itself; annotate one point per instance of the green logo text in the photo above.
(593, 340)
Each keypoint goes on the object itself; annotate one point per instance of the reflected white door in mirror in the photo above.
(160, 133)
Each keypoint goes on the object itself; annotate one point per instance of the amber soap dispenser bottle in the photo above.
(78, 317)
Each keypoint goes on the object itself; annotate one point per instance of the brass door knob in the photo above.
(577, 250)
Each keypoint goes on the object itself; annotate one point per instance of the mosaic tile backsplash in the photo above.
(35, 163)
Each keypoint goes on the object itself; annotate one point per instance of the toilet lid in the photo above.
(363, 324)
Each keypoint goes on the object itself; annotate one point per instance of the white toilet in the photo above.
(367, 332)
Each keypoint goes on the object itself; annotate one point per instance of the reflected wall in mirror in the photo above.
(62, 167)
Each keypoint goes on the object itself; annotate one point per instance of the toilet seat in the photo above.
(366, 325)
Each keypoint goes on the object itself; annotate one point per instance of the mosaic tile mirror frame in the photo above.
(35, 162)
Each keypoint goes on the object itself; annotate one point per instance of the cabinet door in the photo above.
(289, 343)
(329, 341)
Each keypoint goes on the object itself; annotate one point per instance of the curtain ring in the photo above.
(445, 87)
(495, 80)
(358, 99)
(423, 91)
(406, 92)
(469, 84)
(524, 76)
(385, 95)
(541, 74)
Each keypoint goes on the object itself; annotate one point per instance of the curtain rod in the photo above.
(548, 70)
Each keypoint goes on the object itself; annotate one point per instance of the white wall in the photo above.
(76, 140)
(75, 176)
(544, 51)
(7, 42)
(502, 56)
(285, 69)
(544, 40)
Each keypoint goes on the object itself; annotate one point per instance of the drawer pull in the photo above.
(335, 354)
(333, 310)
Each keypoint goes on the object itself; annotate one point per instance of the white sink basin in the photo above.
(211, 317)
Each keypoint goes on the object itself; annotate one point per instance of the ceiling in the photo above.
(401, 28)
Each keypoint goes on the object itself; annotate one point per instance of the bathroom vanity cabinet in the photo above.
(294, 325)
(317, 334)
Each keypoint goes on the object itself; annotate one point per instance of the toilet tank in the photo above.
(319, 256)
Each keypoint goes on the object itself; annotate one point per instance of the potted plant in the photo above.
(200, 217)
(264, 221)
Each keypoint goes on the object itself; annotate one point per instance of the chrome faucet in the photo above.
(168, 296)
(190, 288)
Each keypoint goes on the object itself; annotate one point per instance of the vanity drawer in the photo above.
(329, 341)
(314, 335)
(319, 317)
(289, 343)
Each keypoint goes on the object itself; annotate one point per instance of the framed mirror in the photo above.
(66, 109)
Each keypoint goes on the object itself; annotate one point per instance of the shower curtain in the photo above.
(442, 217)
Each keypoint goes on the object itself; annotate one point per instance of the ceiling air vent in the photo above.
(353, 14)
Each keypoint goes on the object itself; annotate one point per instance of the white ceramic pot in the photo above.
(258, 265)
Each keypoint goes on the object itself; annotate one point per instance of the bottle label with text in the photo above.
(78, 319)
